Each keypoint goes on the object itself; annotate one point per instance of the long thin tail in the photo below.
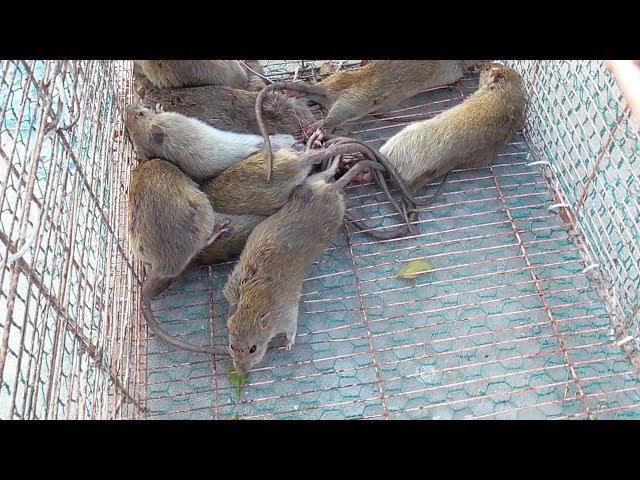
(153, 284)
(344, 180)
(295, 86)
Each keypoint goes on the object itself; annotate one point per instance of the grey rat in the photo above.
(200, 150)
(227, 108)
(467, 135)
(265, 286)
(378, 86)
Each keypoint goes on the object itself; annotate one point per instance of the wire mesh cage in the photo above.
(530, 310)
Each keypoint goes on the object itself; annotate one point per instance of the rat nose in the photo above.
(241, 369)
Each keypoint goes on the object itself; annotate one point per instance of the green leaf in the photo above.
(238, 381)
(414, 269)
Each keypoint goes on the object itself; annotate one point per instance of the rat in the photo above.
(227, 108)
(465, 136)
(200, 150)
(170, 221)
(255, 73)
(376, 87)
(265, 286)
(243, 188)
(195, 73)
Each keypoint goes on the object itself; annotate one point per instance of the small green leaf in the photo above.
(414, 269)
(238, 381)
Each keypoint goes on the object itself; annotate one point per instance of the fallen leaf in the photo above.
(414, 269)
(236, 380)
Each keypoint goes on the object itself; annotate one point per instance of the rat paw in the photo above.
(315, 139)
(219, 229)
(291, 340)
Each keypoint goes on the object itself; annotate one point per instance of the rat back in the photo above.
(228, 108)
(284, 246)
(475, 128)
(244, 189)
(203, 151)
(170, 219)
(194, 73)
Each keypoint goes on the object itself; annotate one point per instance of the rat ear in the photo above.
(495, 75)
(264, 321)
(157, 134)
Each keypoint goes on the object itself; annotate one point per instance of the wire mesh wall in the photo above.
(579, 121)
(70, 346)
(288, 69)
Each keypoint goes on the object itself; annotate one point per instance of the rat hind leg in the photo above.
(350, 106)
(330, 172)
(291, 327)
(480, 158)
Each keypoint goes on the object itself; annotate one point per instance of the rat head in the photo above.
(147, 136)
(250, 331)
(495, 75)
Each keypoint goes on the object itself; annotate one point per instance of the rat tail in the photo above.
(152, 284)
(295, 86)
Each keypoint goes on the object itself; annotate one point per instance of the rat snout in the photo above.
(242, 368)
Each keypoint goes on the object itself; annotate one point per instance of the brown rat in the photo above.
(378, 86)
(170, 221)
(227, 108)
(265, 286)
(201, 151)
(243, 188)
(195, 73)
(467, 135)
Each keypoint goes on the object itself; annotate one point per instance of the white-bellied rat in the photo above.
(200, 150)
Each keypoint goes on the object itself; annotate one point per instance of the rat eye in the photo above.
(140, 113)
(252, 349)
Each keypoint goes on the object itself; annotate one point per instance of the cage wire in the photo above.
(70, 337)
(530, 310)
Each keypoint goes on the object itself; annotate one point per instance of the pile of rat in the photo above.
(233, 165)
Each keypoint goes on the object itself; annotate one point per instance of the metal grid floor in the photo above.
(506, 325)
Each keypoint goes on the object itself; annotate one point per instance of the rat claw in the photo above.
(315, 138)
(219, 229)
(290, 343)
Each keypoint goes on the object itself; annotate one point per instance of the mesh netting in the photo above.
(580, 123)
(522, 315)
(70, 344)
